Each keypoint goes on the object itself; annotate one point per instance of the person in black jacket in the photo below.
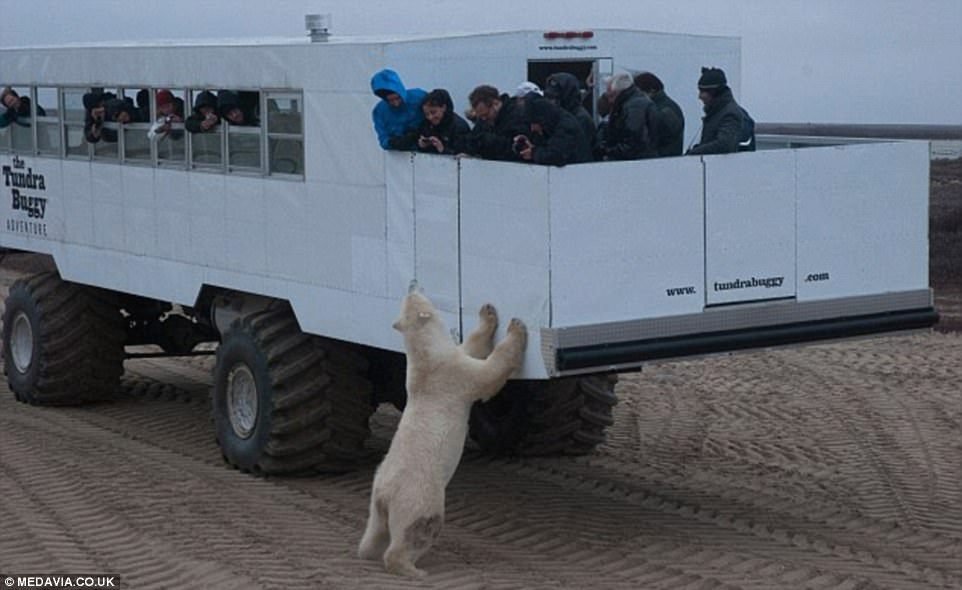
(443, 131)
(564, 89)
(556, 136)
(629, 134)
(722, 123)
(170, 110)
(16, 109)
(115, 110)
(122, 110)
(499, 120)
(235, 109)
(204, 119)
(671, 120)
(95, 114)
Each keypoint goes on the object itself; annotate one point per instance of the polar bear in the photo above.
(443, 381)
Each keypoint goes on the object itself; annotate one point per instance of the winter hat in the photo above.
(164, 97)
(649, 82)
(115, 106)
(552, 88)
(712, 78)
(205, 99)
(96, 97)
(526, 88)
(226, 101)
(142, 96)
(542, 111)
(620, 82)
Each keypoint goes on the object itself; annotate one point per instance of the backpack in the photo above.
(746, 137)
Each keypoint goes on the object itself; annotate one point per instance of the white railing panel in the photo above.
(749, 226)
(626, 240)
(862, 219)
(505, 257)
(436, 229)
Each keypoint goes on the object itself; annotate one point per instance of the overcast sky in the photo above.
(839, 61)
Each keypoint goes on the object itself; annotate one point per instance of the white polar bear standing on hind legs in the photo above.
(443, 381)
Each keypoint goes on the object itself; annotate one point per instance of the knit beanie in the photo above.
(164, 97)
(712, 78)
(542, 111)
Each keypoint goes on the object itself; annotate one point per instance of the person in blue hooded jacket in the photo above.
(398, 115)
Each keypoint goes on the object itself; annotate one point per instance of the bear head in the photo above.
(416, 311)
(422, 326)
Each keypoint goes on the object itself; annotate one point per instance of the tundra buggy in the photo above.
(291, 243)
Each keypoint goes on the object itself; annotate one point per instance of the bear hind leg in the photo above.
(376, 536)
(413, 541)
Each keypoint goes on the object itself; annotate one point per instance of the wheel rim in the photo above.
(21, 342)
(242, 400)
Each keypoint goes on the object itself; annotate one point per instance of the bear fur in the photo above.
(443, 381)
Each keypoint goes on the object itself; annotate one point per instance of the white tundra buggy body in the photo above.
(292, 243)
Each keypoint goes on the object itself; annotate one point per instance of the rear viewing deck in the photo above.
(615, 253)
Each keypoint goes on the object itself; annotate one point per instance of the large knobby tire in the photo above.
(558, 417)
(63, 343)
(286, 402)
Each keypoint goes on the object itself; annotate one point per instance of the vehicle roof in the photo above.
(332, 40)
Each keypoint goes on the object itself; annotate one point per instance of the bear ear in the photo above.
(397, 326)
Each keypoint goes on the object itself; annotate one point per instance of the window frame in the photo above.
(298, 96)
(65, 125)
(37, 120)
(167, 164)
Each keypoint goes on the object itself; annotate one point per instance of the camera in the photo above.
(519, 145)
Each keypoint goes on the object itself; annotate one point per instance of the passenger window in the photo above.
(74, 116)
(206, 143)
(285, 134)
(244, 149)
(48, 121)
(167, 130)
(107, 148)
(17, 132)
(240, 111)
(136, 144)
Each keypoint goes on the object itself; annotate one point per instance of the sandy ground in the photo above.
(829, 466)
(833, 466)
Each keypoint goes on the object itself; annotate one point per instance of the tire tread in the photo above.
(81, 347)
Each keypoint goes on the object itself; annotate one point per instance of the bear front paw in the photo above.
(488, 314)
(517, 325)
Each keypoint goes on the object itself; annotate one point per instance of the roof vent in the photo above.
(318, 26)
